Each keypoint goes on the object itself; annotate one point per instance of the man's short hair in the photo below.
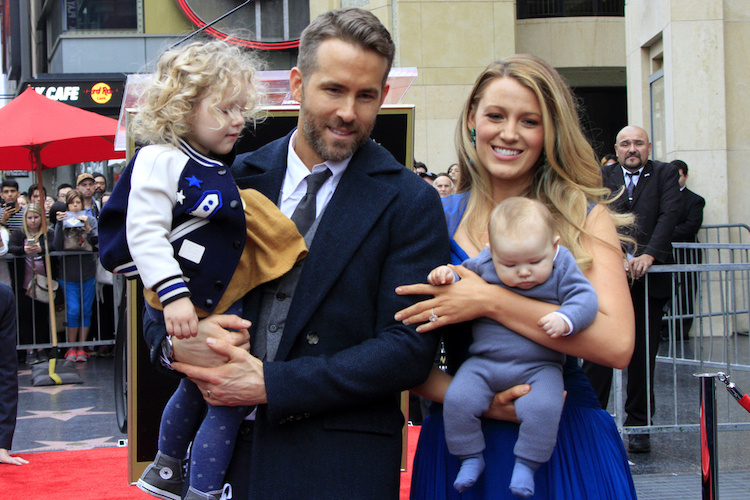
(9, 183)
(681, 165)
(353, 25)
(63, 186)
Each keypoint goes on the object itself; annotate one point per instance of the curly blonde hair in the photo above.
(567, 177)
(186, 75)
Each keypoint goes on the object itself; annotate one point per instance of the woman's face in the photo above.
(509, 132)
(33, 221)
(75, 205)
(453, 173)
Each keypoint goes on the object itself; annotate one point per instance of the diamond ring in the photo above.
(433, 317)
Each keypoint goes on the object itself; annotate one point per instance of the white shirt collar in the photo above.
(296, 171)
(636, 174)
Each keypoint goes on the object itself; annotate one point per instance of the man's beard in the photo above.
(337, 150)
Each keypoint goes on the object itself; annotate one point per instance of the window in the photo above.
(101, 15)
(528, 9)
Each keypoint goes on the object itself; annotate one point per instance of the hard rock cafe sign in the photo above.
(262, 24)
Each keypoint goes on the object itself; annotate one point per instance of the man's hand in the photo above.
(503, 404)
(5, 458)
(8, 213)
(194, 350)
(238, 382)
(639, 265)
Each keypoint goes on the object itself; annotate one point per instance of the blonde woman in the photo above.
(519, 135)
(30, 243)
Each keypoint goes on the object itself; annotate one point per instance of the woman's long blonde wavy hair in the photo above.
(183, 77)
(567, 177)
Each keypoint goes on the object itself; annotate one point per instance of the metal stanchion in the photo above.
(709, 444)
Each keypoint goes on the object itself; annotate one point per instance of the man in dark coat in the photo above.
(651, 192)
(328, 360)
(688, 224)
(8, 375)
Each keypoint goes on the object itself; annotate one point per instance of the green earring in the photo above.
(473, 134)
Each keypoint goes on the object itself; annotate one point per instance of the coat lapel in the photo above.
(643, 181)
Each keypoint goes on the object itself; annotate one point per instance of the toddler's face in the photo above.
(216, 128)
(524, 263)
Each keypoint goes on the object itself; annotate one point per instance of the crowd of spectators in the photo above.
(71, 221)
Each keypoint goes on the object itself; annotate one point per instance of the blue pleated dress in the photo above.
(589, 460)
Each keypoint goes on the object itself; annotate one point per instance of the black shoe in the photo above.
(639, 443)
(32, 358)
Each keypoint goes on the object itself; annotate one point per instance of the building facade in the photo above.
(671, 66)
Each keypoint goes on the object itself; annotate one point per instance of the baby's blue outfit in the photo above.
(502, 359)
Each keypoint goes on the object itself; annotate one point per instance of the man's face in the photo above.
(683, 178)
(62, 193)
(34, 197)
(100, 184)
(339, 101)
(10, 194)
(632, 148)
(86, 187)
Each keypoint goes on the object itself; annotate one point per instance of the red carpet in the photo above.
(99, 474)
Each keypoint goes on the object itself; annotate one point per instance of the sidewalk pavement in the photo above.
(83, 417)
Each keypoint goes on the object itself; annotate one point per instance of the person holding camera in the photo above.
(11, 213)
(29, 242)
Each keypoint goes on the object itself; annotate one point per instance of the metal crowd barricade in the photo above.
(104, 317)
(717, 341)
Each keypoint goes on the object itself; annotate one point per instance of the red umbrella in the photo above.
(38, 133)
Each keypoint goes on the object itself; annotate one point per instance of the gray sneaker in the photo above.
(163, 478)
(224, 494)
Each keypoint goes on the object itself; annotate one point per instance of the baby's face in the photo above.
(524, 263)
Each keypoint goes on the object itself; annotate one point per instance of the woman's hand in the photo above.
(32, 248)
(85, 219)
(60, 216)
(454, 303)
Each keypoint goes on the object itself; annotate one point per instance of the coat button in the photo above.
(313, 338)
(208, 304)
(280, 296)
(237, 244)
(219, 285)
(273, 328)
(234, 204)
(222, 171)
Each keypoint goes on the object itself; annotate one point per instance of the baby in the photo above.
(524, 256)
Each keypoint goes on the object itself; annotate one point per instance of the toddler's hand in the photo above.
(553, 325)
(442, 275)
(180, 318)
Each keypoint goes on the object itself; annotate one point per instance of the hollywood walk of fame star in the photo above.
(54, 389)
(85, 444)
(64, 415)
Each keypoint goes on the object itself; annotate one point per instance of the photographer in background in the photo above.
(11, 214)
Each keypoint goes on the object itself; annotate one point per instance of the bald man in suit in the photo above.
(651, 192)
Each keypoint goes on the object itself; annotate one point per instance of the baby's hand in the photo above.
(442, 275)
(553, 325)
(180, 318)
